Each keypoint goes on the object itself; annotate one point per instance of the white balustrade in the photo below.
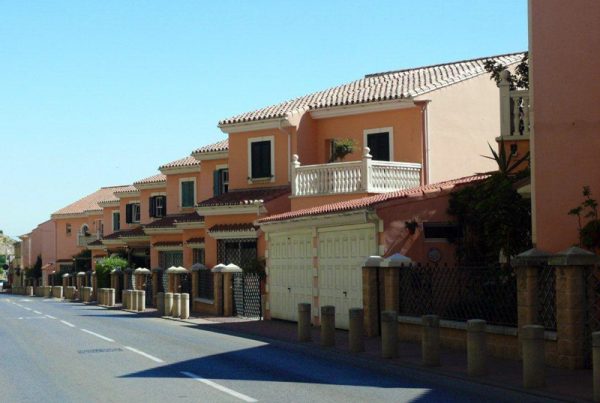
(361, 176)
(514, 111)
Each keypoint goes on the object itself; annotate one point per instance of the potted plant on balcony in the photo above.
(340, 148)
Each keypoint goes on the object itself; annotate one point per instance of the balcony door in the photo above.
(379, 143)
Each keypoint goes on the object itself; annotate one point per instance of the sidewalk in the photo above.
(560, 383)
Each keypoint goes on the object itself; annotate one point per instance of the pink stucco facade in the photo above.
(565, 63)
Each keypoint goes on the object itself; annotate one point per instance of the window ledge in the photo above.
(205, 301)
(262, 180)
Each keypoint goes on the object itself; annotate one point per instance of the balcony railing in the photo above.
(84, 240)
(364, 176)
(514, 112)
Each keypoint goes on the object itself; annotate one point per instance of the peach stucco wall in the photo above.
(462, 120)
(123, 201)
(48, 250)
(565, 63)
(173, 202)
(205, 190)
(107, 218)
(145, 195)
(66, 244)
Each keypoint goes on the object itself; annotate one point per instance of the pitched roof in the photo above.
(170, 220)
(134, 232)
(233, 227)
(246, 196)
(222, 145)
(371, 201)
(90, 202)
(199, 239)
(126, 189)
(379, 87)
(167, 243)
(151, 179)
(188, 161)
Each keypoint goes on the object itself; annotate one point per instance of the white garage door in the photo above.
(342, 252)
(290, 273)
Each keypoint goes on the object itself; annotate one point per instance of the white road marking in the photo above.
(31, 317)
(27, 309)
(38, 312)
(67, 323)
(98, 335)
(222, 388)
(151, 357)
(50, 316)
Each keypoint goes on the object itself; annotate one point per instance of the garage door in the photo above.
(290, 273)
(342, 252)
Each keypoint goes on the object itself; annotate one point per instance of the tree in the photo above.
(518, 79)
(35, 272)
(105, 266)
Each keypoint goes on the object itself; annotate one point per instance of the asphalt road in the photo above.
(68, 352)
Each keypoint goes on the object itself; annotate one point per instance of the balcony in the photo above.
(514, 112)
(84, 239)
(364, 176)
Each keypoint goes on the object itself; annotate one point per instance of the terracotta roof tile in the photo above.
(379, 87)
(372, 201)
(90, 202)
(167, 243)
(233, 227)
(246, 196)
(188, 161)
(134, 232)
(152, 179)
(97, 242)
(195, 240)
(222, 145)
(126, 189)
(170, 220)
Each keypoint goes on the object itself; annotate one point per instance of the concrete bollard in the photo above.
(176, 310)
(123, 299)
(389, 334)
(47, 291)
(184, 311)
(100, 296)
(29, 291)
(160, 303)
(141, 300)
(532, 337)
(304, 333)
(57, 291)
(356, 331)
(84, 295)
(430, 341)
(476, 347)
(168, 304)
(596, 365)
(133, 300)
(111, 297)
(72, 292)
(328, 326)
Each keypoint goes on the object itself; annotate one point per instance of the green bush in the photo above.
(105, 266)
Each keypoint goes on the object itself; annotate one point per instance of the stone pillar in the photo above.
(185, 306)
(160, 303)
(570, 268)
(123, 299)
(389, 334)
(133, 300)
(533, 356)
(356, 330)
(328, 326)
(155, 296)
(304, 312)
(430, 342)
(476, 347)
(141, 300)
(111, 297)
(168, 304)
(218, 282)
(29, 291)
(596, 365)
(371, 301)
(176, 310)
(195, 280)
(391, 280)
(227, 294)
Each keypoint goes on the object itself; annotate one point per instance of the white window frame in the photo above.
(181, 180)
(139, 212)
(113, 220)
(271, 139)
(162, 207)
(389, 130)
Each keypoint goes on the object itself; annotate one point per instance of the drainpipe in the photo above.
(289, 148)
(425, 128)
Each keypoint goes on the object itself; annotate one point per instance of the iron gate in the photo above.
(147, 287)
(246, 295)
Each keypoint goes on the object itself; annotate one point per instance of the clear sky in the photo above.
(97, 93)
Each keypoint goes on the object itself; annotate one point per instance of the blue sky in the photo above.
(97, 93)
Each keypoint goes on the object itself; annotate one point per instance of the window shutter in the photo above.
(152, 205)
(164, 205)
(128, 215)
(261, 159)
(216, 184)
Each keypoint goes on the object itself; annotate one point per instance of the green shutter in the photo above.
(187, 194)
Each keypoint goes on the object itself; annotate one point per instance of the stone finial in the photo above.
(574, 256)
(504, 78)
(367, 153)
(295, 160)
(373, 261)
(396, 260)
(530, 257)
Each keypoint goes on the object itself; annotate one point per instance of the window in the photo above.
(132, 213)
(198, 255)
(220, 181)
(261, 159)
(116, 221)
(68, 229)
(380, 142)
(158, 206)
(237, 251)
(84, 230)
(206, 285)
(441, 231)
(187, 193)
(170, 258)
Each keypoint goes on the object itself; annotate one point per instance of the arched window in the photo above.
(85, 230)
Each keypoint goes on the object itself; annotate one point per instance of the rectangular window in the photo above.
(379, 144)
(206, 284)
(221, 181)
(198, 255)
(187, 193)
(116, 221)
(132, 213)
(170, 258)
(260, 154)
(158, 206)
(68, 229)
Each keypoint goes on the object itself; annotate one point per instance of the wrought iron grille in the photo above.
(88, 279)
(246, 295)
(205, 284)
(147, 286)
(198, 255)
(161, 281)
(170, 258)
(592, 310)
(185, 283)
(460, 293)
(547, 296)
(236, 251)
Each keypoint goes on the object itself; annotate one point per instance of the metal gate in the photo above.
(147, 286)
(246, 295)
